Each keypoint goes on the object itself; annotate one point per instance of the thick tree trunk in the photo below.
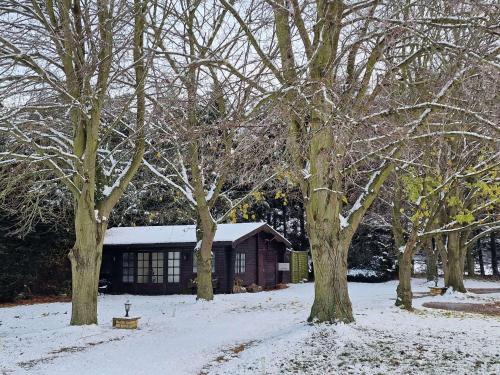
(329, 240)
(494, 259)
(404, 293)
(455, 266)
(85, 260)
(331, 297)
(205, 233)
(431, 261)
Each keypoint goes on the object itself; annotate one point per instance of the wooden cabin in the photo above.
(160, 259)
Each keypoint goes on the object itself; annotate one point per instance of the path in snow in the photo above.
(262, 333)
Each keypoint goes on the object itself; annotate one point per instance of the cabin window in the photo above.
(195, 265)
(240, 263)
(157, 268)
(173, 266)
(128, 267)
(143, 270)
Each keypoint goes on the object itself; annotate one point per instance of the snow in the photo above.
(343, 222)
(107, 190)
(261, 333)
(177, 233)
(361, 272)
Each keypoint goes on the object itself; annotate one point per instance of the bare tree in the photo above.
(66, 69)
(340, 72)
(201, 135)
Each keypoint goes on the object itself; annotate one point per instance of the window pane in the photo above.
(239, 266)
(173, 266)
(157, 267)
(143, 270)
(128, 267)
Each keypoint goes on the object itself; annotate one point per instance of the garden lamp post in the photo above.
(127, 308)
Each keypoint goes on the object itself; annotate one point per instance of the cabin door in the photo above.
(270, 264)
(150, 272)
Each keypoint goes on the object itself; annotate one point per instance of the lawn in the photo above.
(261, 333)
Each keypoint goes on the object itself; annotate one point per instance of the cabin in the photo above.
(161, 259)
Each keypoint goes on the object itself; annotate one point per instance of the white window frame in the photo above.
(128, 267)
(173, 267)
(240, 263)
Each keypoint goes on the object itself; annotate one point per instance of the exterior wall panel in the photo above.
(249, 248)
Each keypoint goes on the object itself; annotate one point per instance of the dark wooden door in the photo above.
(150, 278)
(270, 264)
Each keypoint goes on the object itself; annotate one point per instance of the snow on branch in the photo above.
(186, 191)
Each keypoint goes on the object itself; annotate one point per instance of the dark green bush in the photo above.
(35, 264)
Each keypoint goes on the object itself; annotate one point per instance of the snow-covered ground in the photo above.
(262, 333)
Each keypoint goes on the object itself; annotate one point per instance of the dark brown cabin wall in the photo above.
(261, 249)
(220, 269)
(249, 248)
(230, 259)
(270, 266)
(186, 271)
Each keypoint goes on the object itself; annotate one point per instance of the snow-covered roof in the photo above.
(182, 234)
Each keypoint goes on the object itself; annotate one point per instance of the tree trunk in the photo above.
(397, 227)
(470, 262)
(494, 259)
(480, 257)
(331, 297)
(431, 261)
(328, 240)
(404, 292)
(303, 235)
(85, 260)
(205, 233)
(455, 266)
(285, 221)
(441, 250)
